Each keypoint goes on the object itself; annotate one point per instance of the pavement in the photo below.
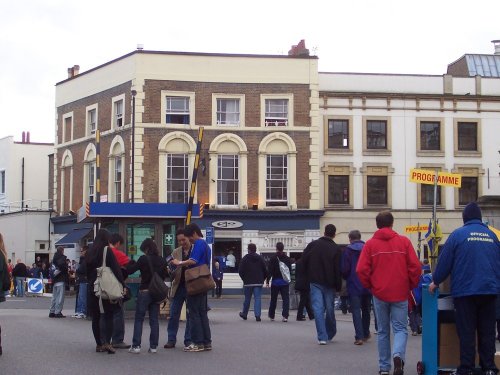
(34, 344)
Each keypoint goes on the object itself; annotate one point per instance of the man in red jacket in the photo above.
(389, 268)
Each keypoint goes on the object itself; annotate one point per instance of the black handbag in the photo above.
(158, 290)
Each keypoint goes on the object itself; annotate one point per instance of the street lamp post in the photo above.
(134, 93)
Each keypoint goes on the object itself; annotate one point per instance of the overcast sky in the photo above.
(40, 39)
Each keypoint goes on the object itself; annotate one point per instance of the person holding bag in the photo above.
(149, 265)
(198, 273)
(102, 322)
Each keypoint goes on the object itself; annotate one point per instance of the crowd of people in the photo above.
(383, 272)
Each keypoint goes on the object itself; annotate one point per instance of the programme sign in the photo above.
(422, 176)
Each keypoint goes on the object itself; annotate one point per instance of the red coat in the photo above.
(388, 266)
(120, 256)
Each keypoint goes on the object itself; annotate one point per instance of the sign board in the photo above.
(423, 176)
(416, 228)
(103, 198)
(35, 286)
(210, 235)
(227, 224)
(132, 250)
(168, 239)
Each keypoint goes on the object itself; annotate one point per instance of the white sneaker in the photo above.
(134, 349)
(77, 315)
(152, 350)
(321, 342)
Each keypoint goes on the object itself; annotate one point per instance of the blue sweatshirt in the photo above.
(472, 256)
(350, 259)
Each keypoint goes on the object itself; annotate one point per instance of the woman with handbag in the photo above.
(148, 265)
(197, 299)
(102, 323)
(4, 279)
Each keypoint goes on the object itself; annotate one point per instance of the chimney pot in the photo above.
(24, 137)
(496, 43)
(299, 49)
(70, 72)
(27, 137)
(76, 70)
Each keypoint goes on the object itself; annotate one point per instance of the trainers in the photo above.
(194, 348)
(52, 315)
(121, 345)
(257, 318)
(358, 342)
(59, 315)
(383, 372)
(322, 342)
(242, 316)
(207, 347)
(399, 365)
(134, 349)
(284, 320)
(152, 350)
(169, 345)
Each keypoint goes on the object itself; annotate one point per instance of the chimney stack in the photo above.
(23, 139)
(27, 137)
(299, 49)
(74, 71)
(496, 43)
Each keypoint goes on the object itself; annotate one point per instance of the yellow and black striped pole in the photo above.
(98, 166)
(195, 176)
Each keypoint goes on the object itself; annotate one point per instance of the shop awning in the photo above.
(74, 236)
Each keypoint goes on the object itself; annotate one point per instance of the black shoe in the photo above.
(120, 345)
(257, 318)
(399, 365)
(242, 316)
(59, 315)
(300, 319)
(170, 345)
(52, 315)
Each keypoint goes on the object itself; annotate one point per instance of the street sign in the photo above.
(210, 235)
(416, 228)
(423, 176)
(168, 239)
(35, 286)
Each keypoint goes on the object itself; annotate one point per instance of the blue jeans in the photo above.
(20, 286)
(395, 314)
(145, 303)
(57, 302)
(175, 315)
(257, 305)
(360, 309)
(284, 290)
(118, 326)
(81, 302)
(323, 305)
(198, 319)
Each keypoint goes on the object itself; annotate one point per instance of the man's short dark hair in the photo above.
(384, 219)
(115, 238)
(330, 230)
(355, 235)
(192, 229)
(252, 248)
(60, 249)
(280, 246)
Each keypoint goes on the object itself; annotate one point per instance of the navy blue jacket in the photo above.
(350, 259)
(472, 256)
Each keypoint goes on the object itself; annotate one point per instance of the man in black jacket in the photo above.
(321, 262)
(253, 272)
(19, 273)
(279, 284)
(59, 279)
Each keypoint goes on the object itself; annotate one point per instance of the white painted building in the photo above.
(376, 127)
(24, 197)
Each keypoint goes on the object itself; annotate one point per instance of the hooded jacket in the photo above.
(321, 260)
(388, 266)
(253, 270)
(60, 262)
(350, 259)
(472, 256)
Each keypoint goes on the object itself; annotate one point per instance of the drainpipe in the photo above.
(22, 186)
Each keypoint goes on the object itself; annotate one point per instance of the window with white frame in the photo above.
(2, 182)
(118, 113)
(276, 113)
(228, 111)
(91, 182)
(92, 120)
(118, 180)
(177, 178)
(227, 180)
(177, 110)
(67, 127)
(276, 180)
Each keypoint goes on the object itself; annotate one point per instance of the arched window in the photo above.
(228, 172)
(116, 180)
(177, 151)
(66, 182)
(277, 162)
(89, 174)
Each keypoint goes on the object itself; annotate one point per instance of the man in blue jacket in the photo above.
(472, 256)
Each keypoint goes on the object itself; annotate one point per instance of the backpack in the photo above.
(285, 271)
(157, 288)
(107, 286)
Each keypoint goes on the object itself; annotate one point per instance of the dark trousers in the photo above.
(218, 287)
(198, 319)
(118, 326)
(360, 310)
(283, 290)
(476, 313)
(305, 301)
